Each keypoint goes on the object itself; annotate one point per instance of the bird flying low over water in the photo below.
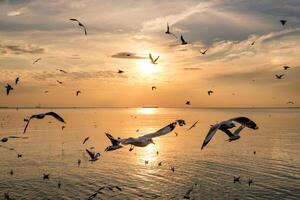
(80, 24)
(120, 71)
(209, 92)
(168, 31)
(61, 70)
(78, 92)
(279, 76)
(285, 67)
(290, 102)
(194, 125)
(153, 61)
(86, 139)
(153, 87)
(37, 60)
(17, 80)
(5, 139)
(228, 124)
(188, 103)
(42, 115)
(141, 141)
(94, 156)
(60, 82)
(283, 22)
(183, 42)
(8, 88)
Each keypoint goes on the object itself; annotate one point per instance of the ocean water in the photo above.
(275, 168)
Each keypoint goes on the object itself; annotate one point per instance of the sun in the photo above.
(147, 68)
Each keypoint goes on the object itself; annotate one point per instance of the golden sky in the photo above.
(240, 74)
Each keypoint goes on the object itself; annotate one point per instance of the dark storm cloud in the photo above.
(128, 55)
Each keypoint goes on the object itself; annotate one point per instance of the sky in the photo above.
(122, 33)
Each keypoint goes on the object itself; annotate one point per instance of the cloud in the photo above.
(192, 68)
(20, 49)
(16, 12)
(128, 55)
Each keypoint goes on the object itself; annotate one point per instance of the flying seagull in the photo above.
(153, 88)
(141, 141)
(203, 52)
(94, 156)
(37, 60)
(283, 22)
(252, 43)
(285, 67)
(290, 102)
(120, 71)
(236, 179)
(194, 125)
(209, 92)
(228, 124)
(86, 139)
(168, 31)
(78, 92)
(46, 176)
(60, 82)
(279, 76)
(188, 103)
(61, 70)
(17, 80)
(80, 24)
(250, 181)
(42, 115)
(153, 61)
(5, 139)
(183, 42)
(8, 88)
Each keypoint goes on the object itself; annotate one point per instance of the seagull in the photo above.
(153, 88)
(285, 67)
(252, 43)
(11, 172)
(78, 162)
(290, 102)
(42, 115)
(60, 82)
(59, 184)
(173, 169)
(37, 60)
(8, 88)
(250, 181)
(5, 139)
(160, 163)
(19, 155)
(228, 124)
(283, 22)
(80, 24)
(188, 103)
(146, 162)
(86, 139)
(61, 70)
(254, 152)
(94, 156)
(183, 42)
(209, 92)
(78, 92)
(203, 52)
(153, 61)
(279, 76)
(236, 179)
(141, 141)
(120, 71)
(168, 31)
(46, 176)
(17, 80)
(194, 125)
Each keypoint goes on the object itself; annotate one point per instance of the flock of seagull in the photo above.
(225, 126)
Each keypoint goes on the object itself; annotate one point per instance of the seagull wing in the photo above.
(113, 141)
(227, 131)
(86, 139)
(26, 125)
(91, 154)
(163, 131)
(245, 122)
(192, 126)
(56, 116)
(156, 59)
(210, 134)
(238, 130)
(72, 19)
(150, 56)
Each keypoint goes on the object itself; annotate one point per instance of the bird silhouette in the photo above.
(183, 42)
(286, 67)
(78, 92)
(8, 88)
(188, 103)
(37, 60)
(17, 80)
(60, 82)
(279, 76)
(203, 52)
(120, 71)
(209, 92)
(61, 70)
(153, 87)
(283, 22)
(236, 179)
(80, 24)
(86, 139)
(153, 61)
(94, 156)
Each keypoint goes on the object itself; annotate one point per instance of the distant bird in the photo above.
(78, 92)
(80, 24)
(194, 125)
(116, 144)
(37, 60)
(209, 92)
(94, 156)
(283, 22)
(279, 76)
(60, 82)
(86, 139)
(203, 52)
(224, 126)
(5, 139)
(236, 179)
(168, 31)
(11, 172)
(180, 122)
(254, 152)
(153, 87)
(285, 67)
(146, 162)
(153, 61)
(8, 88)
(59, 184)
(173, 169)
(78, 162)
(17, 80)
(160, 163)
(157, 152)
(120, 71)
(19, 155)
(183, 42)
(176, 134)
(46, 176)
(42, 115)
(252, 43)
(46, 91)
(188, 103)
(290, 102)
(250, 181)
(61, 70)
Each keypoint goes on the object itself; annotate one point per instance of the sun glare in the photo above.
(147, 68)
(147, 111)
